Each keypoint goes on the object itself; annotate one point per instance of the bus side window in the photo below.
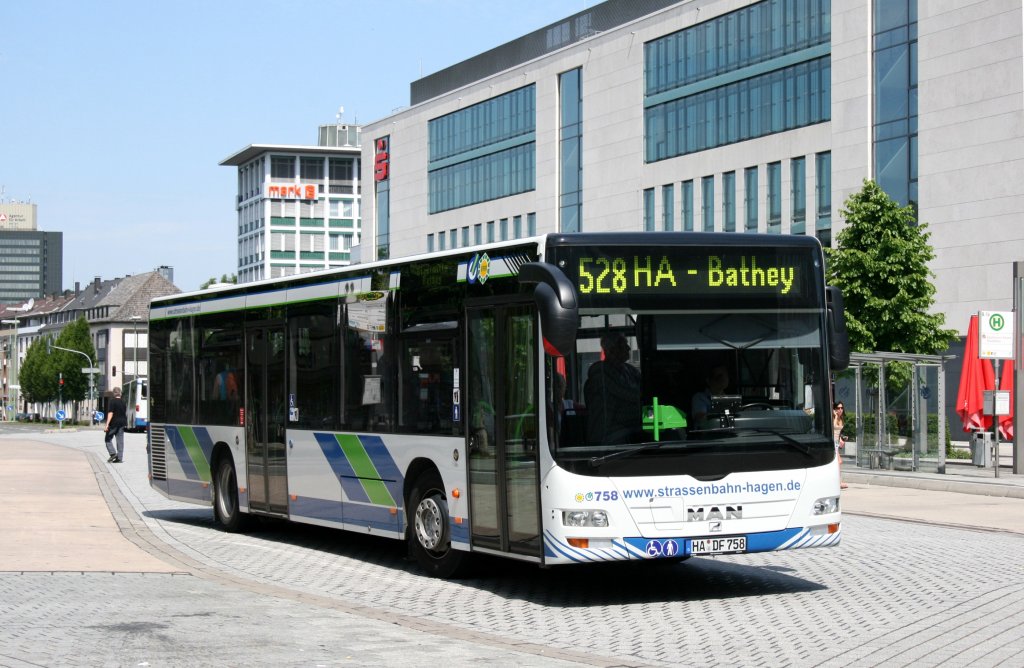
(314, 357)
(427, 385)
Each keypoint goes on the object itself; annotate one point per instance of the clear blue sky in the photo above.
(117, 113)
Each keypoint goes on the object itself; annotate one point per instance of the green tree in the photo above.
(881, 265)
(37, 375)
(224, 278)
(74, 337)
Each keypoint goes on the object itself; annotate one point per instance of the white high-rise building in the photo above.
(298, 206)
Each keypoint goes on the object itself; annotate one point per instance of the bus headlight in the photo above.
(826, 506)
(584, 518)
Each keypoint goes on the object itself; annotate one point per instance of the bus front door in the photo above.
(501, 403)
(266, 409)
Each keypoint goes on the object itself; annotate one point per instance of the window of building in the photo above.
(341, 169)
(785, 44)
(895, 87)
(687, 206)
(430, 243)
(798, 190)
(478, 234)
(311, 169)
(341, 208)
(748, 36)
(729, 202)
(490, 231)
(383, 192)
(775, 197)
(282, 167)
(750, 198)
(465, 236)
(503, 224)
(440, 240)
(707, 204)
(531, 224)
(570, 101)
(517, 227)
(823, 197)
(649, 209)
(668, 196)
(456, 179)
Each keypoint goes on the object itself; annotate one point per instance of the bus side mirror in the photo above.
(556, 304)
(838, 339)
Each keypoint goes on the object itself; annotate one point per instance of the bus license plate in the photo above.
(718, 545)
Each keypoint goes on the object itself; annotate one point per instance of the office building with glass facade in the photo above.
(721, 115)
(298, 206)
(31, 264)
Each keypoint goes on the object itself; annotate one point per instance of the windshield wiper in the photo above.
(786, 438)
(634, 450)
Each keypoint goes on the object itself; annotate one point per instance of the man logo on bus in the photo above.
(479, 268)
(714, 513)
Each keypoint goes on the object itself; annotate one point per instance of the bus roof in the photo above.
(549, 240)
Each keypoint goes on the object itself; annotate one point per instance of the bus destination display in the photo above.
(651, 271)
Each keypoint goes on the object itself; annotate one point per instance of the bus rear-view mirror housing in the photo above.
(556, 304)
(838, 339)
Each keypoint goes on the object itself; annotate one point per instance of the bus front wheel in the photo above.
(430, 529)
(225, 497)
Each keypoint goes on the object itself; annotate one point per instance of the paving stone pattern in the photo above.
(894, 593)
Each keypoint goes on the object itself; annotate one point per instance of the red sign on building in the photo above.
(382, 159)
(292, 192)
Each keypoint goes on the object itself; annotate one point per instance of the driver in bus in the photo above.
(716, 382)
(612, 394)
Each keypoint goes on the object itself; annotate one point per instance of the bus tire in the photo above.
(225, 497)
(430, 529)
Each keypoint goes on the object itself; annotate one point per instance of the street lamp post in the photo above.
(12, 384)
(135, 347)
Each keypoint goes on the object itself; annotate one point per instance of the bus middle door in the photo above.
(266, 410)
(501, 401)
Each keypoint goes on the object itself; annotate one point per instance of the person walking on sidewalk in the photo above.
(117, 421)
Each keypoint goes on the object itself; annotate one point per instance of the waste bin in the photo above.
(981, 448)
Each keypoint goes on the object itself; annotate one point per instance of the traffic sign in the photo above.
(995, 335)
(98, 416)
(61, 416)
(90, 369)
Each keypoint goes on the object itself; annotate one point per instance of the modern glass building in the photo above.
(298, 206)
(727, 116)
(31, 264)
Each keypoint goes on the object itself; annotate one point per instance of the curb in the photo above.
(980, 487)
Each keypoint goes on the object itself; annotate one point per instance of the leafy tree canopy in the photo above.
(881, 265)
(74, 337)
(38, 380)
(224, 278)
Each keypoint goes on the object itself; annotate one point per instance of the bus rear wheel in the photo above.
(225, 497)
(430, 529)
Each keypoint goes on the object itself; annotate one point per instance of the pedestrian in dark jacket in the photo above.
(117, 421)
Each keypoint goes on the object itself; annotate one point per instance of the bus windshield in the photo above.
(701, 393)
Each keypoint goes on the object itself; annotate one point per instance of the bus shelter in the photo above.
(895, 411)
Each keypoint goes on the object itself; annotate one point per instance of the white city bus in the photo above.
(449, 399)
(136, 398)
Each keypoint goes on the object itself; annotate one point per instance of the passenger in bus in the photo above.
(715, 383)
(225, 385)
(612, 394)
